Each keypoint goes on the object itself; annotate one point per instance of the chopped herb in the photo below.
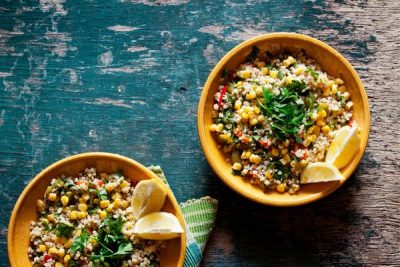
(313, 73)
(287, 113)
(63, 229)
(80, 242)
(93, 210)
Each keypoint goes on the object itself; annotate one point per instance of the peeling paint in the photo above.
(106, 58)
(136, 48)
(159, 2)
(122, 28)
(109, 101)
(216, 30)
(5, 74)
(212, 54)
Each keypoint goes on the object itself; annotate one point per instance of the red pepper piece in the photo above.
(223, 92)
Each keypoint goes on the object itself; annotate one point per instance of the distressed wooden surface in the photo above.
(126, 76)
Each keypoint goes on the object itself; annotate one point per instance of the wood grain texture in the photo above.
(125, 77)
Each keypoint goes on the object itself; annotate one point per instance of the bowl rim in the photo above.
(207, 88)
(81, 156)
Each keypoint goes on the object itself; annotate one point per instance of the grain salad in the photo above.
(87, 220)
(276, 114)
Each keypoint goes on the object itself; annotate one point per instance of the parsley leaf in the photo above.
(63, 229)
(313, 73)
(80, 242)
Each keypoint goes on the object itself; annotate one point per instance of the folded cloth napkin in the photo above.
(199, 215)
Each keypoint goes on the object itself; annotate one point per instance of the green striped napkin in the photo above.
(199, 215)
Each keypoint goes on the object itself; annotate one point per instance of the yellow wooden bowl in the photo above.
(331, 62)
(25, 209)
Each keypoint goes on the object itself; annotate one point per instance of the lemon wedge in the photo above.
(158, 226)
(343, 147)
(320, 172)
(148, 197)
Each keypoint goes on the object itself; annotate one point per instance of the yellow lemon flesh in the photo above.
(343, 147)
(320, 172)
(148, 197)
(158, 226)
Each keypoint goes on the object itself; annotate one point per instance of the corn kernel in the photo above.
(334, 89)
(124, 204)
(239, 84)
(56, 239)
(312, 138)
(245, 74)
(245, 116)
(251, 95)
(104, 203)
(53, 250)
(349, 105)
(82, 207)
(288, 80)
(259, 91)
(68, 244)
(52, 196)
(82, 200)
(62, 240)
(117, 203)
(253, 121)
(320, 122)
(110, 208)
(42, 248)
(310, 130)
(260, 118)
(219, 128)
(64, 200)
(255, 159)
(306, 143)
(67, 258)
(316, 130)
(342, 88)
(326, 129)
(322, 113)
(245, 155)
(275, 152)
(213, 128)
(338, 81)
(286, 157)
(284, 151)
(264, 71)
(111, 186)
(124, 184)
(237, 166)
(59, 264)
(40, 203)
(346, 95)
(82, 214)
(73, 215)
(298, 71)
(50, 217)
(86, 196)
(103, 214)
(273, 73)
(324, 106)
(61, 252)
(314, 116)
(286, 142)
(238, 104)
(325, 91)
(281, 188)
(224, 138)
(303, 163)
(268, 175)
(291, 59)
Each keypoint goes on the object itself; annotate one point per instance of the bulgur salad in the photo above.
(87, 220)
(274, 115)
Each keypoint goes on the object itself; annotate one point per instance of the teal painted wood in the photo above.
(126, 76)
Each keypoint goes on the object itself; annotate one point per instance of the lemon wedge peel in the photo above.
(344, 147)
(148, 196)
(158, 226)
(320, 172)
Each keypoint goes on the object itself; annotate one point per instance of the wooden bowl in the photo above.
(331, 62)
(25, 209)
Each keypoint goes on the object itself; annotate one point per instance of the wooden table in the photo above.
(126, 76)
